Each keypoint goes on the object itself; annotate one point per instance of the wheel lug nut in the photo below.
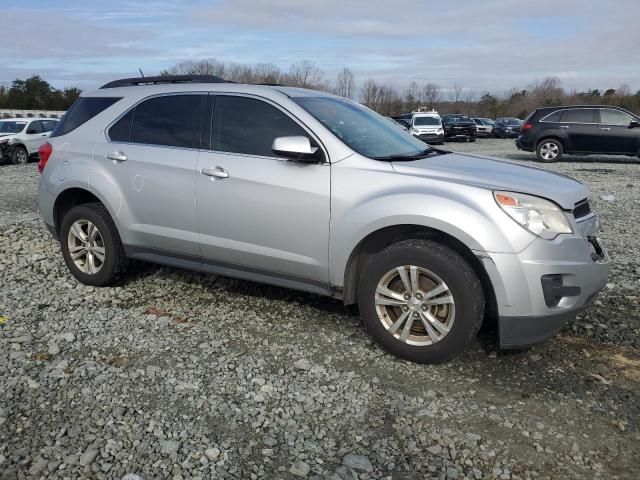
(405, 308)
(424, 307)
(415, 315)
(407, 296)
(419, 296)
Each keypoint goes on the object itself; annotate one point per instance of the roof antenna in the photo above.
(141, 74)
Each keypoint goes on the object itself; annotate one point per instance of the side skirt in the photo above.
(225, 269)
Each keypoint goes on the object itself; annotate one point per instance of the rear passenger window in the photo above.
(578, 115)
(121, 130)
(554, 117)
(171, 120)
(249, 126)
(609, 116)
(83, 110)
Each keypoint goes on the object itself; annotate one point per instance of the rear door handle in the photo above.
(564, 126)
(216, 172)
(606, 129)
(116, 156)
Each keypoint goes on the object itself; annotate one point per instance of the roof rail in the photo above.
(131, 82)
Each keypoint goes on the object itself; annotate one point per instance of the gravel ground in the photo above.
(174, 374)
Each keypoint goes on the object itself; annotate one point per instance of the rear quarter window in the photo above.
(83, 110)
(553, 117)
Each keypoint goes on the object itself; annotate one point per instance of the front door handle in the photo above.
(564, 126)
(606, 129)
(116, 156)
(216, 172)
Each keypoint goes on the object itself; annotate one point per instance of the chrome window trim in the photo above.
(542, 120)
(214, 94)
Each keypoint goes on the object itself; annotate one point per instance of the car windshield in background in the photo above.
(426, 121)
(361, 129)
(487, 121)
(11, 127)
(511, 121)
(458, 118)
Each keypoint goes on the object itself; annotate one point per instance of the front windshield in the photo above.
(458, 118)
(361, 129)
(8, 126)
(487, 121)
(512, 121)
(418, 121)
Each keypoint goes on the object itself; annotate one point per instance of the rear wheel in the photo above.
(549, 150)
(91, 246)
(19, 156)
(420, 300)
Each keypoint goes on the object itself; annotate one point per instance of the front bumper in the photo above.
(461, 134)
(545, 286)
(431, 137)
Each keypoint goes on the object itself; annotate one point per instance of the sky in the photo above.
(481, 45)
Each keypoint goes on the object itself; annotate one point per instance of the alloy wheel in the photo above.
(549, 150)
(415, 305)
(21, 156)
(86, 246)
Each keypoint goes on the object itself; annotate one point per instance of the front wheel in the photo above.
(91, 246)
(20, 156)
(420, 300)
(549, 150)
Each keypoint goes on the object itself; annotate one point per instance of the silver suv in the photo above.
(311, 191)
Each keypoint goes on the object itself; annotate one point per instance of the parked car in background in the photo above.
(20, 138)
(483, 127)
(427, 127)
(321, 194)
(398, 123)
(459, 127)
(554, 131)
(506, 127)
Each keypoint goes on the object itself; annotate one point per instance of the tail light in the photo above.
(44, 152)
(526, 126)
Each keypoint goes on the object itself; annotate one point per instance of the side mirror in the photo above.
(32, 131)
(296, 148)
(634, 124)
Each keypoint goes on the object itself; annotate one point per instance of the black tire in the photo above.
(459, 276)
(472, 139)
(115, 260)
(19, 155)
(544, 143)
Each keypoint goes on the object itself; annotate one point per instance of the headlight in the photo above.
(538, 215)
(414, 131)
(439, 131)
(4, 140)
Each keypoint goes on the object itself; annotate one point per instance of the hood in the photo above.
(497, 174)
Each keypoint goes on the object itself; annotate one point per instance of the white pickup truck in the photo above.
(20, 138)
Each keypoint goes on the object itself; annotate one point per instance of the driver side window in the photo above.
(249, 126)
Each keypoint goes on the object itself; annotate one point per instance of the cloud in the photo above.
(491, 45)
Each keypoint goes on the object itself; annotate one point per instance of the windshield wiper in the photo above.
(423, 154)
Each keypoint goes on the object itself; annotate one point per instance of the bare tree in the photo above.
(412, 96)
(369, 92)
(267, 73)
(207, 66)
(345, 83)
(304, 73)
(456, 93)
(431, 95)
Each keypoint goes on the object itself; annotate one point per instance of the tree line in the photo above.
(387, 99)
(34, 93)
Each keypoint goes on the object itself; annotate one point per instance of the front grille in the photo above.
(581, 209)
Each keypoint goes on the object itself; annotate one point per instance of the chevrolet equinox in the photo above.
(311, 191)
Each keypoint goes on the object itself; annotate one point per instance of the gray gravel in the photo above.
(174, 374)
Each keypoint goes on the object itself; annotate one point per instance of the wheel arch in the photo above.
(383, 237)
(553, 136)
(71, 197)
